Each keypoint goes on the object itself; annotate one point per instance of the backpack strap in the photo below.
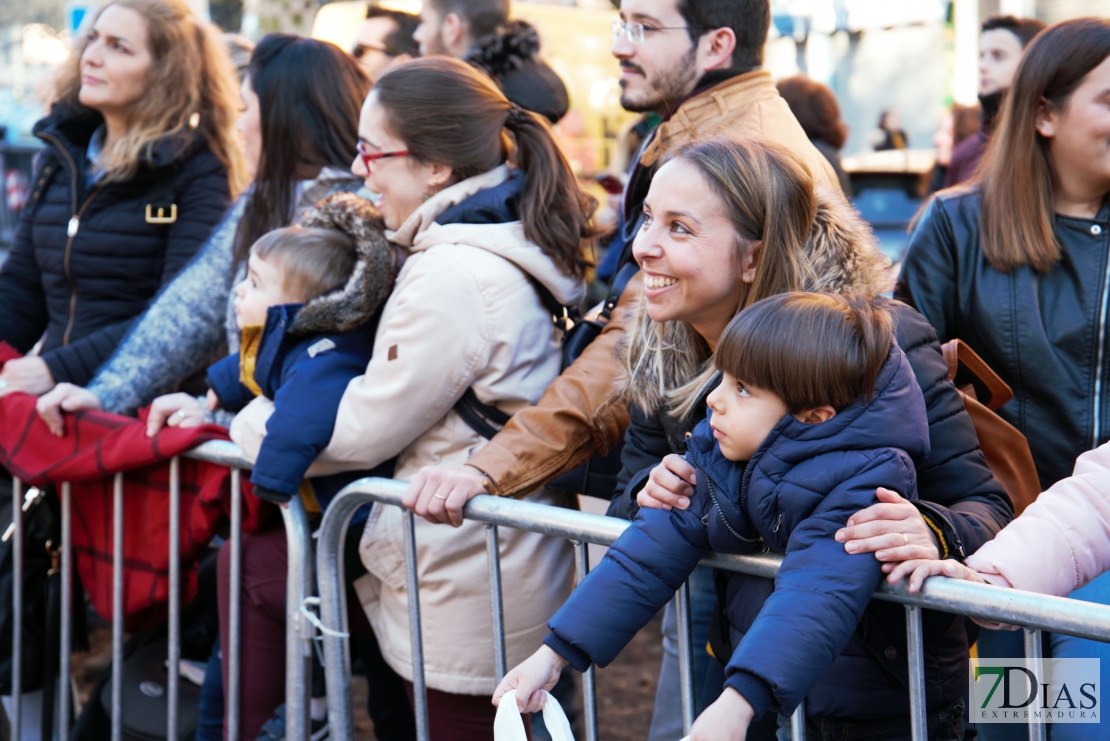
(485, 419)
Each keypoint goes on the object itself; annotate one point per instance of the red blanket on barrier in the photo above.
(98, 445)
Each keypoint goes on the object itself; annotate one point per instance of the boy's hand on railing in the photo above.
(893, 530)
(725, 720)
(439, 493)
(670, 485)
(174, 410)
(65, 397)
(540, 671)
(921, 569)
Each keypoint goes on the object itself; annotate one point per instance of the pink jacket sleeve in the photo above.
(1061, 541)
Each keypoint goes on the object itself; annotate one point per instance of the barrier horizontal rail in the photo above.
(298, 644)
(1034, 612)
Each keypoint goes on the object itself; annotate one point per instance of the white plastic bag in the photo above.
(509, 726)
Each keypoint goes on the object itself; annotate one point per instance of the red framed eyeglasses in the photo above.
(368, 157)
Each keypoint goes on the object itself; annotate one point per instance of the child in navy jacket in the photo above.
(307, 312)
(816, 409)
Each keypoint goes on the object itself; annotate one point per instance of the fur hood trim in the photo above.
(514, 44)
(371, 281)
(844, 254)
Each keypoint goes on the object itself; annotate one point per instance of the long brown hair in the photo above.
(191, 80)
(309, 96)
(816, 108)
(768, 194)
(453, 115)
(1017, 219)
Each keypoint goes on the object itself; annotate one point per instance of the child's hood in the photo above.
(894, 417)
(360, 298)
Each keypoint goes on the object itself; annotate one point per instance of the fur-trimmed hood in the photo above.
(844, 254)
(372, 279)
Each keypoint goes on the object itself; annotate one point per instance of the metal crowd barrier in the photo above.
(1034, 612)
(298, 587)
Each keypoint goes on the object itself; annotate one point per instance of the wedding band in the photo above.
(905, 538)
(177, 413)
(440, 496)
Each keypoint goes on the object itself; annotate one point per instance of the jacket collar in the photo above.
(894, 417)
(430, 210)
(718, 101)
(73, 127)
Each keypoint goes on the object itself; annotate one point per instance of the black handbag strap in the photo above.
(485, 419)
(616, 288)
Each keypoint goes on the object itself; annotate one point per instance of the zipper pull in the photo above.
(71, 230)
(778, 524)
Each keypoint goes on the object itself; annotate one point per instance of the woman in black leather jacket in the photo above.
(1018, 265)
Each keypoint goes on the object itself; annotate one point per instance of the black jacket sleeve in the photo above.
(202, 200)
(23, 312)
(645, 446)
(927, 280)
(958, 496)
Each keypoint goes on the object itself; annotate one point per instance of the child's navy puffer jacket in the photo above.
(810, 633)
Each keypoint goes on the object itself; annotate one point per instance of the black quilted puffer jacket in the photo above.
(86, 261)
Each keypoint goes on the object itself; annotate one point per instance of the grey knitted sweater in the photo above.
(190, 325)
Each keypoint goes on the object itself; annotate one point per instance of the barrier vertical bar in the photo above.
(117, 607)
(16, 719)
(1033, 653)
(496, 607)
(798, 723)
(915, 653)
(589, 679)
(685, 655)
(174, 658)
(65, 644)
(412, 583)
(333, 613)
(234, 588)
(298, 639)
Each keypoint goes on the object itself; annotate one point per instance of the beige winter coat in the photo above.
(462, 315)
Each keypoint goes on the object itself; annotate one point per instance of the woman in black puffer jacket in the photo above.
(140, 163)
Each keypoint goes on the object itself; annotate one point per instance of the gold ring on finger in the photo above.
(905, 539)
(440, 496)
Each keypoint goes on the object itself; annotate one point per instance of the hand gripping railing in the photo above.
(1035, 612)
(298, 587)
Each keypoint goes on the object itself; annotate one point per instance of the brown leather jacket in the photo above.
(580, 416)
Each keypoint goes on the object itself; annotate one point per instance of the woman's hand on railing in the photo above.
(727, 719)
(540, 671)
(174, 410)
(893, 530)
(439, 493)
(30, 374)
(921, 569)
(670, 485)
(65, 398)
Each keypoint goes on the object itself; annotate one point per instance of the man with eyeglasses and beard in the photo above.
(697, 64)
(383, 39)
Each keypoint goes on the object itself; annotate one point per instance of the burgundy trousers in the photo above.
(262, 627)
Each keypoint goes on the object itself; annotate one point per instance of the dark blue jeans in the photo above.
(945, 724)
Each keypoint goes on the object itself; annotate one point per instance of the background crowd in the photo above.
(351, 263)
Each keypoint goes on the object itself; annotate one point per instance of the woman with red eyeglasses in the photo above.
(493, 224)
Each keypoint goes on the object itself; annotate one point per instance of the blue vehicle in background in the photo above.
(889, 188)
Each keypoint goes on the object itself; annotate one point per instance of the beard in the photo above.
(662, 90)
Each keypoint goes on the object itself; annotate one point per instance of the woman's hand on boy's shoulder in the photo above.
(727, 719)
(894, 530)
(670, 485)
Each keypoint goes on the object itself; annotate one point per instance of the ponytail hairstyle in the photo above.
(768, 195)
(309, 95)
(191, 85)
(809, 349)
(1017, 219)
(453, 115)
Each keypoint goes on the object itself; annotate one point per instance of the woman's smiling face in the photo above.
(689, 251)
